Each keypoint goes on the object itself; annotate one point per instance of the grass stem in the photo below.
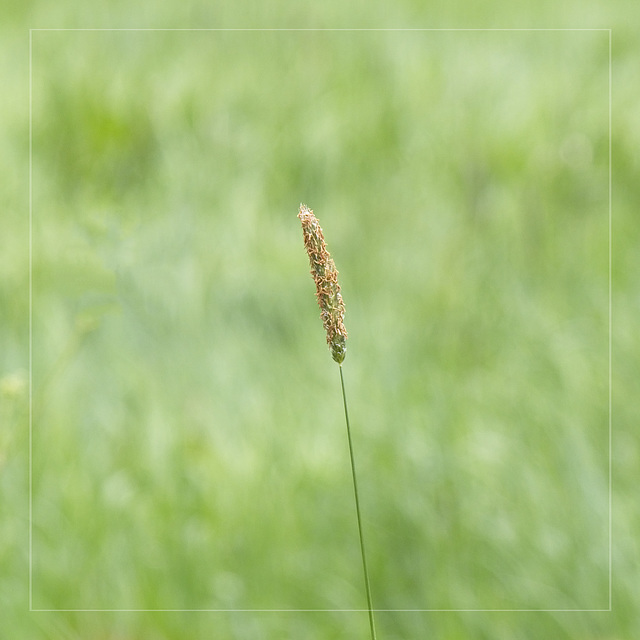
(355, 491)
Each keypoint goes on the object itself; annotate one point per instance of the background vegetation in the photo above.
(189, 450)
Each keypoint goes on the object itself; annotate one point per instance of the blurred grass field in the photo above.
(188, 443)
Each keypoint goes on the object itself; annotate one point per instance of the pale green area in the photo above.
(189, 445)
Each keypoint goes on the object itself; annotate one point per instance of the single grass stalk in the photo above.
(355, 492)
(325, 275)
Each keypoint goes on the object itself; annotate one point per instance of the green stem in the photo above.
(355, 491)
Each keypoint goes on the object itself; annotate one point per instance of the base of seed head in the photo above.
(338, 349)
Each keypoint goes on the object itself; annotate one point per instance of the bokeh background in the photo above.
(188, 449)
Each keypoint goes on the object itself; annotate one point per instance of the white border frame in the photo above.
(610, 460)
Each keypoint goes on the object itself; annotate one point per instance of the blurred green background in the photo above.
(188, 443)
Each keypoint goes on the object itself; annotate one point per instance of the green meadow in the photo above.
(173, 454)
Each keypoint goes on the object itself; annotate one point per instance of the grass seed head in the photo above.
(325, 275)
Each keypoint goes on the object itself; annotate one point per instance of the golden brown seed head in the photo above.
(325, 275)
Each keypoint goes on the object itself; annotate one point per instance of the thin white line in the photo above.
(610, 345)
(321, 610)
(293, 29)
(30, 328)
